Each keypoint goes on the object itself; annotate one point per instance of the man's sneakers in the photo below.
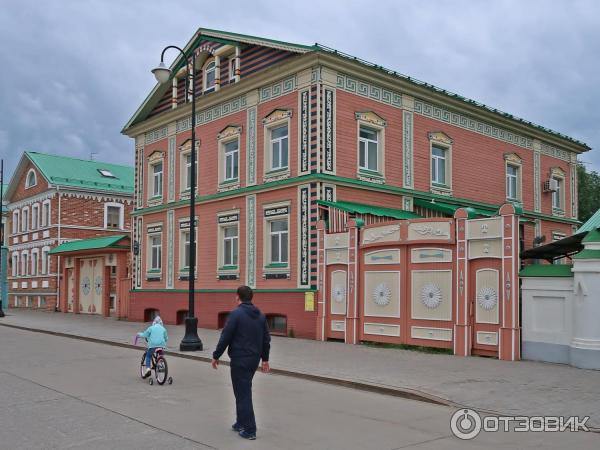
(237, 428)
(247, 435)
(147, 372)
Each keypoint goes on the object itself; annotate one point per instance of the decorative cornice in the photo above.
(31, 200)
(440, 136)
(368, 90)
(32, 244)
(370, 117)
(278, 89)
(229, 131)
(277, 115)
(513, 158)
(155, 135)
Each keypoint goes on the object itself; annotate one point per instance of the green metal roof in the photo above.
(360, 208)
(591, 224)
(547, 270)
(81, 173)
(203, 33)
(98, 243)
(592, 236)
(450, 208)
(587, 254)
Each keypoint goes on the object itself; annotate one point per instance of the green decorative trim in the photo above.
(228, 268)
(229, 182)
(276, 265)
(153, 271)
(547, 270)
(277, 171)
(588, 254)
(316, 177)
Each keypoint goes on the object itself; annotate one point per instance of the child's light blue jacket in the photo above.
(156, 334)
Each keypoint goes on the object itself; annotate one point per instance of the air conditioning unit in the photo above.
(551, 185)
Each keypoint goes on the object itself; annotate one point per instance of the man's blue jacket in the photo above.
(246, 334)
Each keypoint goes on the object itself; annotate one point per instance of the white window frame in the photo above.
(121, 208)
(34, 262)
(235, 244)
(151, 247)
(35, 216)
(25, 219)
(182, 249)
(27, 178)
(45, 260)
(279, 142)
(363, 168)
(157, 186)
(275, 120)
(268, 264)
(231, 67)
(513, 179)
(15, 264)
(24, 263)
(46, 219)
(558, 196)
(280, 239)
(16, 221)
(233, 156)
(205, 70)
(435, 159)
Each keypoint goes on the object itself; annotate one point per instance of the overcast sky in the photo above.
(74, 71)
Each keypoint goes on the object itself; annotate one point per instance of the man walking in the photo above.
(246, 337)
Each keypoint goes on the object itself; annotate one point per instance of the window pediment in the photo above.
(440, 136)
(557, 172)
(229, 131)
(513, 158)
(277, 115)
(156, 156)
(370, 117)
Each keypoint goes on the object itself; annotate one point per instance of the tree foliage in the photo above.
(588, 184)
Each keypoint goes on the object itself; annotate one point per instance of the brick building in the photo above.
(55, 199)
(292, 134)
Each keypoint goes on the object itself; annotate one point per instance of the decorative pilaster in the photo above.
(217, 72)
(462, 328)
(237, 64)
(303, 236)
(171, 169)
(328, 131)
(251, 241)
(537, 184)
(304, 127)
(574, 196)
(407, 142)
(174, 93)
(106, 291)
(321, 281)
(352, 321)
(170, 248)
(510, 338)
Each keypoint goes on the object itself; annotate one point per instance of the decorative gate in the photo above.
(437, 282)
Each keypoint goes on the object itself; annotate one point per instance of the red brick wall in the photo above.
(208, 306)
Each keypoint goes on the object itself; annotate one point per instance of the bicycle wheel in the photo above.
(161, 370)
(143, 366)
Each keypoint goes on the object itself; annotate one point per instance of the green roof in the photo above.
(81, 173)
(450, 208)
(359, 208)
(592, 236)
(98, 243)
(591, 224)
(219, 35)
(587, 254)
(547, 270)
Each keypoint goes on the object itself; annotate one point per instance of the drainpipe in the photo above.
(58, 260)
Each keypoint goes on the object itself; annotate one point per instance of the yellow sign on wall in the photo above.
(309, 301)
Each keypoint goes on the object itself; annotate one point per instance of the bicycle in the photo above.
(158, 365)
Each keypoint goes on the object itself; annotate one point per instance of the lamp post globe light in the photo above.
(191, 341)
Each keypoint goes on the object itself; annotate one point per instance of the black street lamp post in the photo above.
(2, 237)
(191, 341)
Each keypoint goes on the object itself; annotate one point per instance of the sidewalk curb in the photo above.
(406, 393)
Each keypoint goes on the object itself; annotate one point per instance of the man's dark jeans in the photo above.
(242, 372)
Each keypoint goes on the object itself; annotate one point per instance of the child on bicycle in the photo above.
(156, 336)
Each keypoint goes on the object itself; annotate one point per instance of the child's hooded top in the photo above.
(156, 334)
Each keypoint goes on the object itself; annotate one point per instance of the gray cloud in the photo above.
(76, 70)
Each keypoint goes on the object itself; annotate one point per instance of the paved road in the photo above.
(61, 393)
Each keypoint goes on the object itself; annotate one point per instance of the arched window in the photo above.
(31, 179)
(209, 76)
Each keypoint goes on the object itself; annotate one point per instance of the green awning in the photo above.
(104, 242)
(360, 208)
(547, 270)
(450, 208)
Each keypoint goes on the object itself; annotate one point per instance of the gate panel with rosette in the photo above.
(90, 285)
